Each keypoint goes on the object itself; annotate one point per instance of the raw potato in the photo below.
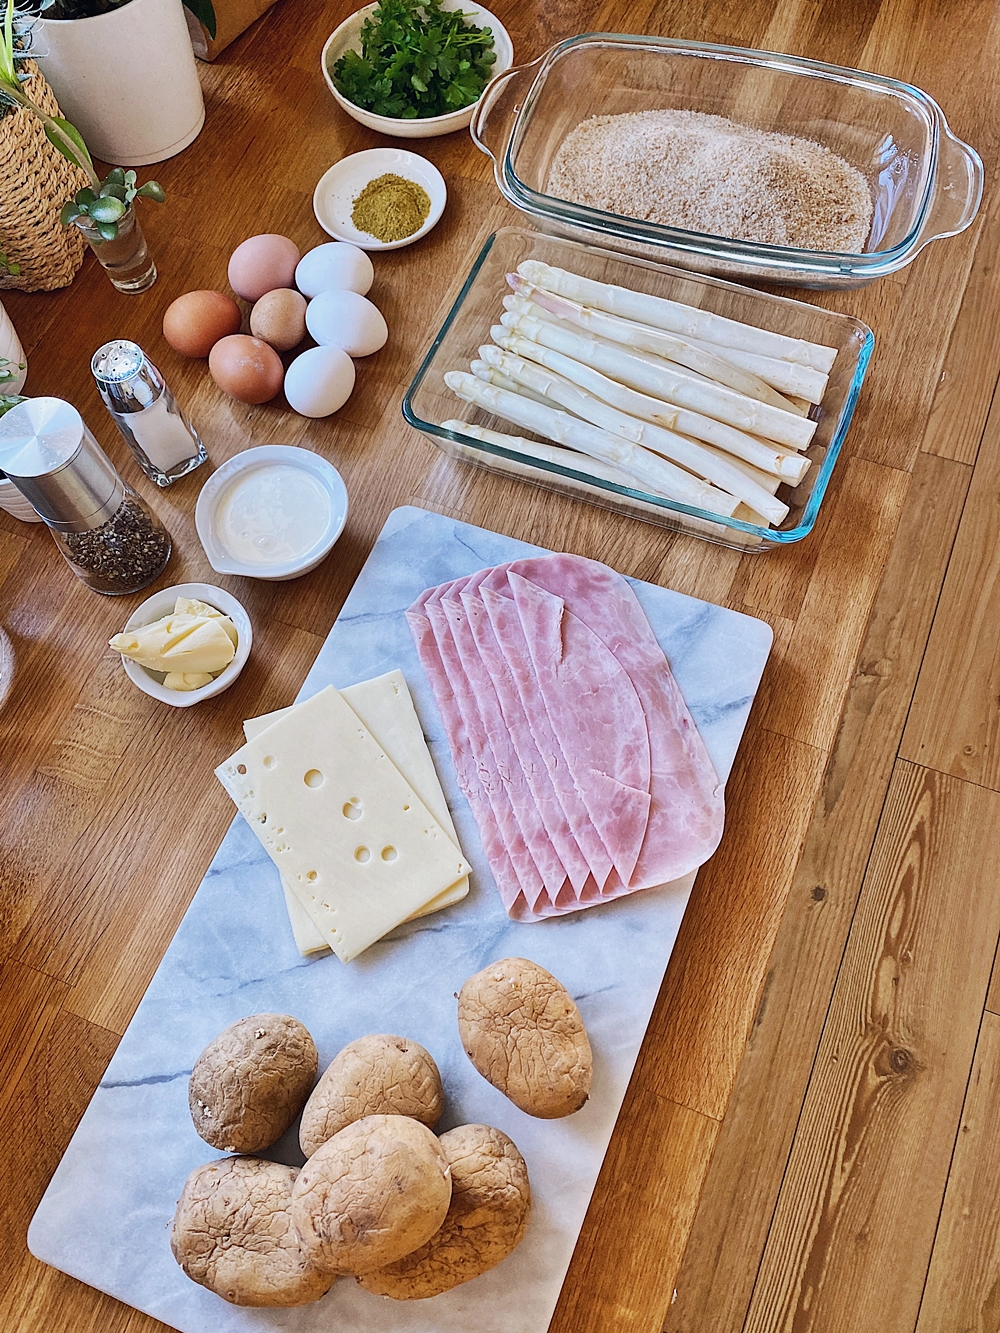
(487, 1218)
(233, 1234)
(524, 1034)
(377, 1075)
(249, 1084)
(374, 1192)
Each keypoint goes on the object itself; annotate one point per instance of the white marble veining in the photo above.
(105, 1217)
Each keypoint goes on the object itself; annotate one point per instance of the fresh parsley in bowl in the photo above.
(415, 68)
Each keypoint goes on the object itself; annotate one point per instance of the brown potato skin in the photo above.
(522, 1031)
(487, 1218)
(375, 1075)
(375, 1191)
(233, 1234)
(250, 1083)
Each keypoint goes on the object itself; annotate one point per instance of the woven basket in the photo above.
(35, 182)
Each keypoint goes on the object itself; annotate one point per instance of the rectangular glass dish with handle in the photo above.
(925, 183)
(429, 402)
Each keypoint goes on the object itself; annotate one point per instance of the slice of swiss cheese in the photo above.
(385, 707)
(345, 829)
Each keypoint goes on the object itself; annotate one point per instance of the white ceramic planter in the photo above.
(11, 349)
(127, 80)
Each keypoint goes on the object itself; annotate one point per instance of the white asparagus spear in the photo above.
(770, 483)
(549, 453)
(770, 458)
(677, 318)
(648, 339)
(688, 453)
(665, 381)
(491, 375)
(648, 468)
(791, 379)
(592, 468)
(783, 372)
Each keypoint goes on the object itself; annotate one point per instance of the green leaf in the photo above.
(68, 139)
(130, 177)
(152, 190)
(107, 230)
(117, 176)
(204, 12)
(113, 190)
(107, 209)
(85, 197)
(70, 212)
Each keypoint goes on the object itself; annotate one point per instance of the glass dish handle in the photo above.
(958, 190)
(498, 107)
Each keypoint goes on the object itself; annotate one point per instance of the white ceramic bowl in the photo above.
(161, 604)
(334, 196)
(348, 37)
(214, 490)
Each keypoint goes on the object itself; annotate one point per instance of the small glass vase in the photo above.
(126, 259)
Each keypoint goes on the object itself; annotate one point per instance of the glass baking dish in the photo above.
(926, 183)
(429, 402)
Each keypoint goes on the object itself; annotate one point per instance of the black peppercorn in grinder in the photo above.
(109, 537)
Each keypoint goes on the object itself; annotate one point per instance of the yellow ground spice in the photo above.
(391, 208)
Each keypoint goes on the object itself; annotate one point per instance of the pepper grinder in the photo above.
(165, 444)
(108, 536)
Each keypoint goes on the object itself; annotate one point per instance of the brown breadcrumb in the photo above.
(711, 175)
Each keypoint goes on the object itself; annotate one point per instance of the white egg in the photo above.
(319, 382)
(347, 320)
(334, 266)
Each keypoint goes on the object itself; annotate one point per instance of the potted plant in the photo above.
(151, 106)
(101, 211)
(36, 252)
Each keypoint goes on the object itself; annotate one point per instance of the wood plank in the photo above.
(963, 1283)
(808, 700)
(736, 1205)
(698, 1030)
(971, 366)
(954, 724)
(45, 1103)
(622, 1272)
(855, 1219)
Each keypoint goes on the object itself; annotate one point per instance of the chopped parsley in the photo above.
(416, 60)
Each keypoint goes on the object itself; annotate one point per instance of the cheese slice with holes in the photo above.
(385, 707)
(345, 829)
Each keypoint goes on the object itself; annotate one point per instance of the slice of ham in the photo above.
(514, 720)
(504, 873)
(687, 808)
(498, 756)
(477, 765)
(496, 597)
(596, 715)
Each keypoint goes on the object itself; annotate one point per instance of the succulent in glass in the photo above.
(102, 209)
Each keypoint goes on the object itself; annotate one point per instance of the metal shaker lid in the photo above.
(57, 465)
(126, 379)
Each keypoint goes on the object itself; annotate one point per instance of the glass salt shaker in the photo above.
(107, 535)
(165, 444)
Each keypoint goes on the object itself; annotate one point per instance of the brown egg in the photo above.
(195, 322)
(262, 263)
(279, 317)
(246, 368)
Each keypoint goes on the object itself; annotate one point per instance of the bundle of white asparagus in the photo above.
(648, 393)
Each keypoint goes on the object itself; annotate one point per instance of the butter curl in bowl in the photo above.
(185, 644)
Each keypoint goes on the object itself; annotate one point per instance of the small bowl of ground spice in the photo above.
(381, 199)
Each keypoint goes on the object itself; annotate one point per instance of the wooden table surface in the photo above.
(808, 1141)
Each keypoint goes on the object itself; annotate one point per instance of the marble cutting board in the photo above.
(106, 1214)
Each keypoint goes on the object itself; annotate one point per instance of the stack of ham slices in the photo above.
(572, 743)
